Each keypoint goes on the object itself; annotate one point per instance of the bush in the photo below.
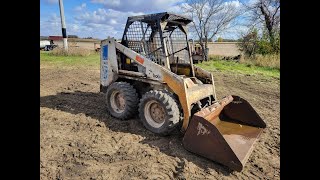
(252, 44)
(72, 51)
(220, 39)
(264, 47)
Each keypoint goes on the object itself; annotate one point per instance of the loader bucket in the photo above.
(224, 132)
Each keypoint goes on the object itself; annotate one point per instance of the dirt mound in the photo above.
(80, 141)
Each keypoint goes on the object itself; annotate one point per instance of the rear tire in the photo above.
(159, 112)
(122, 100)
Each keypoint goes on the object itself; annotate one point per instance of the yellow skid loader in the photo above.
(151, 73)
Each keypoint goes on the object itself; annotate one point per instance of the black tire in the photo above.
(129, 98)
(165, 104)
(176, 99)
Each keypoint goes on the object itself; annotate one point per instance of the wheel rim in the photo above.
(117, 101)
(154, 114)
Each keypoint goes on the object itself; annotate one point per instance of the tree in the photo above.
(210, 17)
(267, 14)
(252, 44)
(220, 39)
(249, 43)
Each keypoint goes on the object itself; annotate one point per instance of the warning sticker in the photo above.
(140, 59)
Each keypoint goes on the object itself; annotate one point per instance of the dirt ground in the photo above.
(78, 140)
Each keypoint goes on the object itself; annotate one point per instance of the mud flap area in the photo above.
(224, 132)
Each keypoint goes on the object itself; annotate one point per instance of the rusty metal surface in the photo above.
(240, 110)
(206, 77)
(214, 135)
(201, 73)
(190, 83)
(212, 112)
(199, 92)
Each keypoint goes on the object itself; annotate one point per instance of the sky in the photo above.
(103, 18)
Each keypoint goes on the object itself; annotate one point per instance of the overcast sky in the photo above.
(103, 18)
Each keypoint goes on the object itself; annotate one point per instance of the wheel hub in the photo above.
(154, 113)
(118, 102)
(157, 113)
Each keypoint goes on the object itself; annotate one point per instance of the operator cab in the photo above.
(161, 37)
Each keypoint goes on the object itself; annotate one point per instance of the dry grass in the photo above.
(271, 60)
(72, 51)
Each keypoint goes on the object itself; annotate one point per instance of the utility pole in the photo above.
(63, 26)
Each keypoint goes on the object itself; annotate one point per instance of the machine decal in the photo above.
(105, 70)
(104, 62)
(140, 59)
(105, 52)
(202, 130)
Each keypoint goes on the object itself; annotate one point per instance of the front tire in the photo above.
(122, 100)
(159, 112)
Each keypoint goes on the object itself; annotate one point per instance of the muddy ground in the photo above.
(80, 141)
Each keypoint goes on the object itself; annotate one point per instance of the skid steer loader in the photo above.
(151, 73)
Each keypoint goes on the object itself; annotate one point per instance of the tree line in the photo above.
(214, 17)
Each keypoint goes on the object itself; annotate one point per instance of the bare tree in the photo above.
(266, 13)
(210, 17)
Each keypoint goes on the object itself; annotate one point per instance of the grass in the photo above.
(93, 61)
(234, 67)
(270, 60)
(60, 60)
